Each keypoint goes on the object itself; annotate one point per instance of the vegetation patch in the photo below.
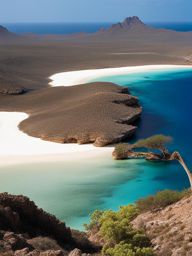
(121, 150)
(160, 200)
(115, 232)
(115, 229)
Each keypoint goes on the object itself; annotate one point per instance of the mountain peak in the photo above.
(130, 23)
(3, 29)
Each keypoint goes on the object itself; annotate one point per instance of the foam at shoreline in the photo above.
(18, 147)
(72, 78)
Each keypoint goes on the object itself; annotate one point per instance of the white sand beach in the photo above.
(17, 147)
(84, 76)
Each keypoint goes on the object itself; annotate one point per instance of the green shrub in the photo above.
(160, 200)
(121, 150)
(144, 252)
(120, 249)
(115, 228)
(129, 212)
(116, 231)
(124, 249)
(141, 240)
(94, 220)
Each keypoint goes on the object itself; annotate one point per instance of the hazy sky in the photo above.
(94, 10)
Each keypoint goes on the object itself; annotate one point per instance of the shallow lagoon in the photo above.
(71, 190)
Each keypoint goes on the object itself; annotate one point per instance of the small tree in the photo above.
(155, 142)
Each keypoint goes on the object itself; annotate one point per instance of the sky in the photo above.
(94, 10)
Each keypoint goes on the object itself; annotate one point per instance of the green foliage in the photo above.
(121, 150)
(94, 220)
(141, 240)
(154, 142)
(124, 249)
(116, 231)
(129, 212)
(160, 200)
(144, 252)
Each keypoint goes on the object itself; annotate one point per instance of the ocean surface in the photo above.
(72, 190)
(70, 28)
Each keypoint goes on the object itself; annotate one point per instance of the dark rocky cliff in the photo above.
(27, 230)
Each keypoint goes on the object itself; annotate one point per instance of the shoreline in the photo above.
(71, 78)
(23, 148)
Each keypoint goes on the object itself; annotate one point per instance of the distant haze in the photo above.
(94, 10)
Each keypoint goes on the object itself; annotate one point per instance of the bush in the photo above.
(115, 229)
(120, 249)
(121, 150)
(140, 240)
(123, 249)
(129, 212)
(94, 220)
(160, 200)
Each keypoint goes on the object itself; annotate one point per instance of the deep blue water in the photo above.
(183, 26)
(55, 28)
(70, 28)
(166, 98)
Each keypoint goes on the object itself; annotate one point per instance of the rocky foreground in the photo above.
(27, 230)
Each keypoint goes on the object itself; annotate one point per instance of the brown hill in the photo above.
(6, 34)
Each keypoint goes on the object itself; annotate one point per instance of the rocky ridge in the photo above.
(169, 229)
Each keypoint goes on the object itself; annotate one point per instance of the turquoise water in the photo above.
(71, 190)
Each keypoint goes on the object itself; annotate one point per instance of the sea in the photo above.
(70, 28)
(73, 190)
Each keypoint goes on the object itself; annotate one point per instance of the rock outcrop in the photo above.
(13, 91)
(169, 229)
(27, 230)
